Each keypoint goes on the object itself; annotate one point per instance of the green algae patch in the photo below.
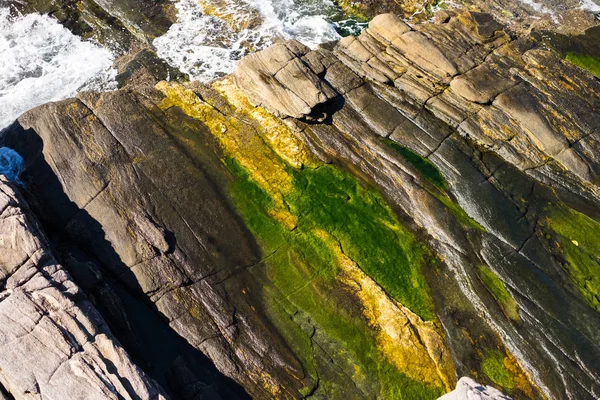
(310, 218)
(256, 206)
(589, 63)
(493, 366)
(328, 199)
(458, 212)
(423, 165)
(367, 230)
(430, 172)
(498, 290)
(579, 242)
(302, 265)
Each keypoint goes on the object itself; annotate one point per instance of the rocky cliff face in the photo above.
(486, 110)
(55, 344)
(370, 219)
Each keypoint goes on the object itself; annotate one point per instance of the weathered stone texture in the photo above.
(504, 120)
(136, 179)
(54, 343)
(509, 96)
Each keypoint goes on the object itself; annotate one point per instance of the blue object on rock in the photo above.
(11, 163)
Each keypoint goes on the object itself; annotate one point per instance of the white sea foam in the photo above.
(542, 9)
(41, 61)
(590, 5)
(306, 21)
(536, 6)
(208, 46)
(586, 5)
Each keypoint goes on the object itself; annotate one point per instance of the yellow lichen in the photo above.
(254, 139)
(241, 143)
(414, 346)
(284, 217)
(521, 380)
(281, 139)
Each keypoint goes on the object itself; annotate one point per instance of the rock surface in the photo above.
(570, 16)
(468, 389)
(506, 95)
(279, 73)
(54, 342)
(118, 24)
(488, 111)
(424, 206)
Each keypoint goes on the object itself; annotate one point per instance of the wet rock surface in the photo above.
(115, 24)
(488, 111)
(220, 229)
(571, 16)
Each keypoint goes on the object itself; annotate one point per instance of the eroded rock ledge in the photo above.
(416, 213)
(54, 343)
(512, 97)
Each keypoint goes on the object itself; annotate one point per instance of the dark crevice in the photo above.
(5, 393)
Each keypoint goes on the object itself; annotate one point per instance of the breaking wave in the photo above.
(210, 36)
(41, 61)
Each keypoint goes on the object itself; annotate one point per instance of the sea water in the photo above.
(210, 36)
(11, 164)
(41, 61)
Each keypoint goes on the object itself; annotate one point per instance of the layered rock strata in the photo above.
(474, 102)
(570, 16)
(509, 96)
(54, 342)
(424, 206)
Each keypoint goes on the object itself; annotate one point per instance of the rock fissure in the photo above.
(220, 218)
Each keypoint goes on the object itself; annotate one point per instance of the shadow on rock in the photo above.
(183, 371)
